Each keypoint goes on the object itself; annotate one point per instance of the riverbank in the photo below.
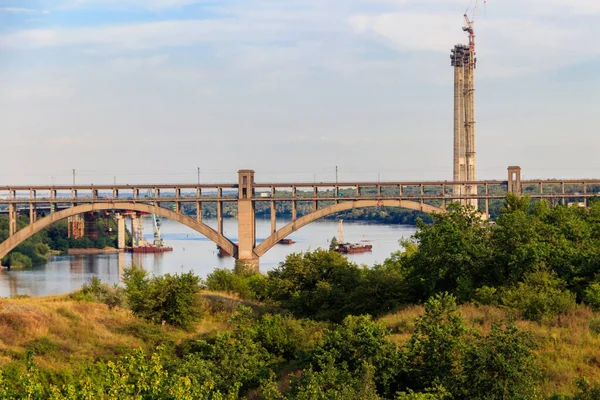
(84, 252)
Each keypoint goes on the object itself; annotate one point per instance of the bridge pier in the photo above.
(246, 221)
(120, 231)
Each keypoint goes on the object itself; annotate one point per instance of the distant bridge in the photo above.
(61, 202)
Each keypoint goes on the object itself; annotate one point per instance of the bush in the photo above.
(487, 296)
(434, 353)
(16, 259)
(285, 336)
(169, 298)
(592, 296)
(248, 284)
(317, 285)
(595, 326)
(501, 366)
(112, 296)
(540, 297)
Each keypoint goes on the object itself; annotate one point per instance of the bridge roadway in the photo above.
(326, 197)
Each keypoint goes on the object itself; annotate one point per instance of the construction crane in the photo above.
(156, 224)
(470, 26)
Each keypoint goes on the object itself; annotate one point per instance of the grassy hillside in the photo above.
(64, 333)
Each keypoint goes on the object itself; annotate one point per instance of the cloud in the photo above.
(146, 4)
(17, 10)
(139, 62)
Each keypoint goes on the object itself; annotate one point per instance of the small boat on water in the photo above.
(349, 248)
(286, 241)
(222, 253)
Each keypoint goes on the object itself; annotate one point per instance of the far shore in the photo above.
(106, 250)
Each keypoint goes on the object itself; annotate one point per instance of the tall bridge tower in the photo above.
(464, 60)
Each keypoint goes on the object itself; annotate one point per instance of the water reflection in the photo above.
(193, 252)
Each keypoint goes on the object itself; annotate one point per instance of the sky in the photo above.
(152, 90)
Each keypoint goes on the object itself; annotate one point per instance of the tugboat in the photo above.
(349, 248)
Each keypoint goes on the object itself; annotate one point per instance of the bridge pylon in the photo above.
(246, 220)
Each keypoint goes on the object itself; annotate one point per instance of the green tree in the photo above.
(453, 254)
(501, 366)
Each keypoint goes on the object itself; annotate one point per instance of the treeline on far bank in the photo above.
(55, 238)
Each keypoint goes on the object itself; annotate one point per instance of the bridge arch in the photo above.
(282, 233)
(30, 230)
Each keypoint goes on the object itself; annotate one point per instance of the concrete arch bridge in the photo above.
(167, 200)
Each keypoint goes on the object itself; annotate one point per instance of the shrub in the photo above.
(359, 340)
(316, 284)
(592, 296)
(248, 284)
(595, 326)
(16, 259)
(285, 336)
(112, 296)
(487, 296)
(169, 298)
(336, 383)
(434, 352)
(501, 366)
(540, 297)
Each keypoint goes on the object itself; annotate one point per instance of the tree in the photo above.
(453, 254)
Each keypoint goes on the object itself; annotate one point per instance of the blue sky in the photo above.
(152, 89)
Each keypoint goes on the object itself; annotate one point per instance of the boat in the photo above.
(222, 253)
(151, 249)
(349, 248)
(286, 241)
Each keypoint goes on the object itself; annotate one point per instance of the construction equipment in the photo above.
(156, 224)
(464, 60)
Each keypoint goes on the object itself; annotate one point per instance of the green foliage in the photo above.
(595, 326)
(315, 284)
(248, 284)
(453, 254)
(357, 341)
(16, 259)
(592, 296)
(541, 296)
(501, 366)
(333, 244)
(285, 336)
(486, 295)
(335, 383)
(433, 354)
(169, 298)
(112, 296)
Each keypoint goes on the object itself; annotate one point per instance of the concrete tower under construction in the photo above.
(464, 62)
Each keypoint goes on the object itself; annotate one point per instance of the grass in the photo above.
(63, 332)
(568, 347)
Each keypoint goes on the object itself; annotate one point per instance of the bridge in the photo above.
(326, 198)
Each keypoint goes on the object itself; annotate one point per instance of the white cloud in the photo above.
(18, 10)
(139, 62)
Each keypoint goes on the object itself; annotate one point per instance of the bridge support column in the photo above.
(135, 228)
(246, 221)
(273, 217)
(32, 213)
(120, 231)
(199, 212)
(12, 219)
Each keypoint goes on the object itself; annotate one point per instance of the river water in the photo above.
(193, 252)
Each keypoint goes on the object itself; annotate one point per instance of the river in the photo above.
(193, 252)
